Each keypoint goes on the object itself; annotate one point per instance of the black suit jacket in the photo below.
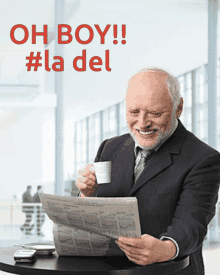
(27, 198)
(176, 192)
(36, 198)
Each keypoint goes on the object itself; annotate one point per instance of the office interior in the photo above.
(52, 123)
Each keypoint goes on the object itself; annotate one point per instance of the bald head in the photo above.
(161, 77)
(148, 86)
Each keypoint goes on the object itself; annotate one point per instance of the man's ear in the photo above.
(179, 108)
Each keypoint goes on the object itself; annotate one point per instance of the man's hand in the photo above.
(147, 249)
(86, 181)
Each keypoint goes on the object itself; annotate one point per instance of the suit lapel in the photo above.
(123, 168)
(161, 159)
(158, 162)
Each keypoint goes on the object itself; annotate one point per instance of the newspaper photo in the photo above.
(90, 226)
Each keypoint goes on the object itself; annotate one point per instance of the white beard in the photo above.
(162, 136)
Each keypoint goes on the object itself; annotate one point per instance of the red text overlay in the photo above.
(65, 36)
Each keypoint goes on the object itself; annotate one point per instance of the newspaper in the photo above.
(90, 226)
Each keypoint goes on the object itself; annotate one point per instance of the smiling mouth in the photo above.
(148, 132)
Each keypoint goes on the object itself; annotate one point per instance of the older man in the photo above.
(174, 176)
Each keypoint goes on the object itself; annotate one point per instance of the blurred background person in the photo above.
(40, 218)
(28, 210)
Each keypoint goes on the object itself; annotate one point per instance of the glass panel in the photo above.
(109, 122)
(189, 80)
(182, 84)
(81, 145)
(186, 93)
(122, 116)
(218, 105)
(94, 135)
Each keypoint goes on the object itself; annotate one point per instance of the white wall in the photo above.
(21, 148)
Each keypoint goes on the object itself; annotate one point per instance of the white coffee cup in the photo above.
(103, 171)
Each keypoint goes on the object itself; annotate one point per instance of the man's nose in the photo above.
(144, 121)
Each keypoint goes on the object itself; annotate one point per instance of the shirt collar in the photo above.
(146, 152)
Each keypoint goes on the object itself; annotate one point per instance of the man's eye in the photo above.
(134, 112)
(156, 114)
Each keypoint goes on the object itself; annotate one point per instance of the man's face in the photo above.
(150, 115)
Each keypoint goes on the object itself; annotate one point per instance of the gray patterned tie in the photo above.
(141, 163)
